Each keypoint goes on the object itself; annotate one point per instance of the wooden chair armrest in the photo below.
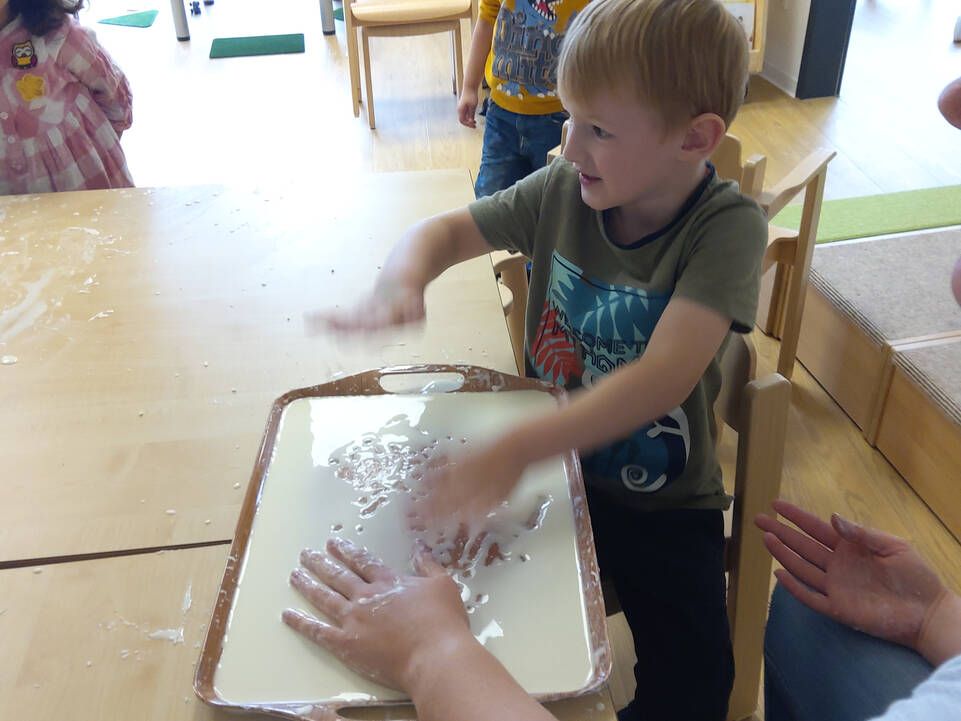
(774, 200)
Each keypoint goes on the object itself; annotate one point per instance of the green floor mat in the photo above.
(882, 214)
(257, 45)
(135, 20)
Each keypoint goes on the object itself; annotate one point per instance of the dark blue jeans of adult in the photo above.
(817, 669)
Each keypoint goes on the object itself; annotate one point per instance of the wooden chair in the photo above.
(512, 271)
(395, 18)
(757, 411)
(749, 174)
(790, 249)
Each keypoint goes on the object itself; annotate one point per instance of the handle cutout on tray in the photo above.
(402, 382)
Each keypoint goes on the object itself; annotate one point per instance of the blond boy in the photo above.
(643, 262)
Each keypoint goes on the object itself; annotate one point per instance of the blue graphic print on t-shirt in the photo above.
(589, 328)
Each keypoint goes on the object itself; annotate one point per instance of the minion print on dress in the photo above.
(23, 56)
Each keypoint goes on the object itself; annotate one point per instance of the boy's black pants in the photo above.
(668, 570)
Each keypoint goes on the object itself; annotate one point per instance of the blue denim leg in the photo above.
(539, 135)
(816, 668)
(514, 146)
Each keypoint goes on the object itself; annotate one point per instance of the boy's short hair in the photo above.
(680, 57)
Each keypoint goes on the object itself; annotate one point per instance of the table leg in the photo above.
(327, 16)
(180, 19)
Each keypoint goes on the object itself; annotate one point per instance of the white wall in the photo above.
(786, 26)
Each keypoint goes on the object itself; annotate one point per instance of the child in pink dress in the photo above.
(63, 102)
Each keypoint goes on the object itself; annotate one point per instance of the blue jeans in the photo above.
(514, 146)
(816, 668)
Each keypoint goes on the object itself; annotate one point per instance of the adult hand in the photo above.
(467, 106)
(387, 306)
(389, 629)
(862, 577)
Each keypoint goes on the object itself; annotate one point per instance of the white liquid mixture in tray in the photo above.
(343, 466)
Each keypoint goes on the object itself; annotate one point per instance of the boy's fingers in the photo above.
(331, 604)
(321, 633)
(807, 522)
(797, 566)
(360, 561)
(425, 564)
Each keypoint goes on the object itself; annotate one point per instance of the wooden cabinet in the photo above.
(752, 14)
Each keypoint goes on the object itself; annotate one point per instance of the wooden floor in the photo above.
(274, 120)
(885, 126)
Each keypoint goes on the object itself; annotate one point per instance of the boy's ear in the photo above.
(704, 132)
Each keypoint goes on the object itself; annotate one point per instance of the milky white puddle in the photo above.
(344, 466)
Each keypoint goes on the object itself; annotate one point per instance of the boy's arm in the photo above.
(480, 47)
(423, 252)
(686, 338)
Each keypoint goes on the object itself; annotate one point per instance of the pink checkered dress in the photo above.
(63, 106)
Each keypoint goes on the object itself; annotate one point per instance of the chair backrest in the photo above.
(749, 174)
(757, 410)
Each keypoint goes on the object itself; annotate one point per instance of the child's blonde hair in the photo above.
(681, 58)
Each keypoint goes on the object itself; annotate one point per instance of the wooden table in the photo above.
(151, 330)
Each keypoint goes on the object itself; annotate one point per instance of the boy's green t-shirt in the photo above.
(593, 305)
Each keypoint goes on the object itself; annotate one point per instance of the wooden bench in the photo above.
(882, 334)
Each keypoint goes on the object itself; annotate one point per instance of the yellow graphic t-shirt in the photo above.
(522, 65)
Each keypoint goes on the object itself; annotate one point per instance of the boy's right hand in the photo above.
(467, 106)
(388, 305)
(466, 489)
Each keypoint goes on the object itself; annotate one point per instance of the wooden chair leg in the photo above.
(453, 62)
(515, 278)
(353, 64)
(365, 40)
(774, 325)
(793, 310)
(458, 61)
